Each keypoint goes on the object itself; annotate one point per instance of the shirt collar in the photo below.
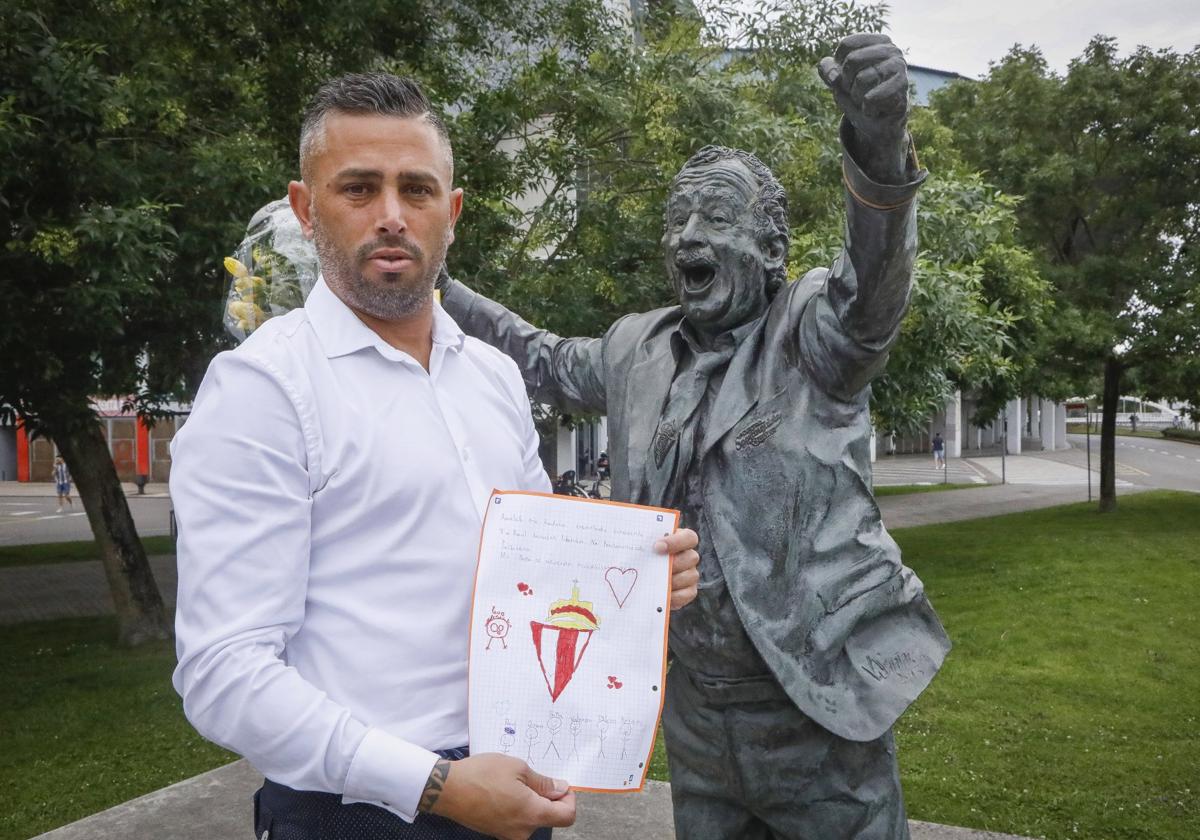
(726, 343)
(341, 332)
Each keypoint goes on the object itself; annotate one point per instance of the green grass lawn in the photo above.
(907, 489)
(1069, 708)
(85, 726)
(1122, 431)
(70, 552)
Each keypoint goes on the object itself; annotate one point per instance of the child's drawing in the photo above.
(621, 582)
(603, 726)
(562, 638)
(602, 662)
(497, 627)
(532, 733)
(553, 723)
(626, 736)
(576, 731)
(508, 737)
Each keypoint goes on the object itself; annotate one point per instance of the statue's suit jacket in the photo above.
(844, 626)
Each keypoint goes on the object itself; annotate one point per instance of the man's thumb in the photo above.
(827, 69)
(545, 786)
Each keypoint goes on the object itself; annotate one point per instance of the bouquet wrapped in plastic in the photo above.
(271, 272)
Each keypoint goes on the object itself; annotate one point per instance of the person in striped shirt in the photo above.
(62, 483)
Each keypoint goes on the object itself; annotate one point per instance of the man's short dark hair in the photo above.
(368, 93)
(770, 204)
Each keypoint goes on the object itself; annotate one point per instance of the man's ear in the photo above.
(456, 204)
(774, 251)
(300, 197)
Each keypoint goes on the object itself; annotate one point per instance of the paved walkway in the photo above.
(216, 806)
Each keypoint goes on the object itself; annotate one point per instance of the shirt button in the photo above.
(466, 455)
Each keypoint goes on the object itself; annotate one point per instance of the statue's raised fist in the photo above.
(869, 80)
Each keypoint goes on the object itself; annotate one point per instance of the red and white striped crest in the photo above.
(559, 652)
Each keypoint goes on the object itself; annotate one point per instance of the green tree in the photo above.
(1107, 160)
(602, 132)
(136, 138)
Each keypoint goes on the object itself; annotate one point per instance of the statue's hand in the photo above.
(869, 79)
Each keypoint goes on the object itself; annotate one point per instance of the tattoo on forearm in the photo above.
(433, 787)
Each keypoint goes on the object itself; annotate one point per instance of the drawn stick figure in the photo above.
(508, 737)
(576, 730)
(603, 724)
(626, 735)
(553, 723)
(531, 737)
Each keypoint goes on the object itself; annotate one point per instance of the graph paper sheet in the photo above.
(568, 636)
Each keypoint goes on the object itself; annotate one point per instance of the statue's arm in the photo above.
(567, 373)
(846, 327)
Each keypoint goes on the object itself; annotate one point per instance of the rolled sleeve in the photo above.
(873, 194)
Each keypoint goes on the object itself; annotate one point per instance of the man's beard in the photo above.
(397, 296)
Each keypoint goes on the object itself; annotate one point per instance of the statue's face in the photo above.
(713, 254)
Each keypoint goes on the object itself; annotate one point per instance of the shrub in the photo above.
(1182, 434)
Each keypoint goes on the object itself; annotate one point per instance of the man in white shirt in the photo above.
(329, 487)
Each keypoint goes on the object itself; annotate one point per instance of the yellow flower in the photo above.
(235, 267)
(245, 313)
(247, 284)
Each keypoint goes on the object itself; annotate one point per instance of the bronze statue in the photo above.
(746, 406)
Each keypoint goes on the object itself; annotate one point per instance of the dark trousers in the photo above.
(281, 813)
(747, 764)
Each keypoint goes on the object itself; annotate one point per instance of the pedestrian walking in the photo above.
(62, 483)
(939, 452)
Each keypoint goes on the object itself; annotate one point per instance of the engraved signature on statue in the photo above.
(900, 665)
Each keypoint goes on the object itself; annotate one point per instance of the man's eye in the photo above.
(356, 190)
(418, 189)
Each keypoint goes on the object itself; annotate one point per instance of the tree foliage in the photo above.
(1106, 159)
(603, 132)
(137, 138)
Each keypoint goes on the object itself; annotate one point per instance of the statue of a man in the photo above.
(746, 407)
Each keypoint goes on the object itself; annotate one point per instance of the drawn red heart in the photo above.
(522, 586)
(617, 683)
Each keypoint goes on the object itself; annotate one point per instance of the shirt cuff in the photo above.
(873, 194)
(389, 772)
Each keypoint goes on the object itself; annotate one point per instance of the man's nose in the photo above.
(391, 219)
(693, 232)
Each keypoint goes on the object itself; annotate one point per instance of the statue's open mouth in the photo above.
(697, 278)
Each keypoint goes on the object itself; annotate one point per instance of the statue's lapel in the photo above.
(649, 382)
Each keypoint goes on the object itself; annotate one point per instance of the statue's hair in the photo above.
(367, 93)
(770, 204)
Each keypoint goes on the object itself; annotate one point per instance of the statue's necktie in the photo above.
(686, 394)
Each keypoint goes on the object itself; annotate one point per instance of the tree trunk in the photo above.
(141, 614)
(1108, 435)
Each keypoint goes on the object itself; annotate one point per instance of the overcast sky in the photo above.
(964, 35)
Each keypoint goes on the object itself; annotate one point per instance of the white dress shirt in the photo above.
(329, 494)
